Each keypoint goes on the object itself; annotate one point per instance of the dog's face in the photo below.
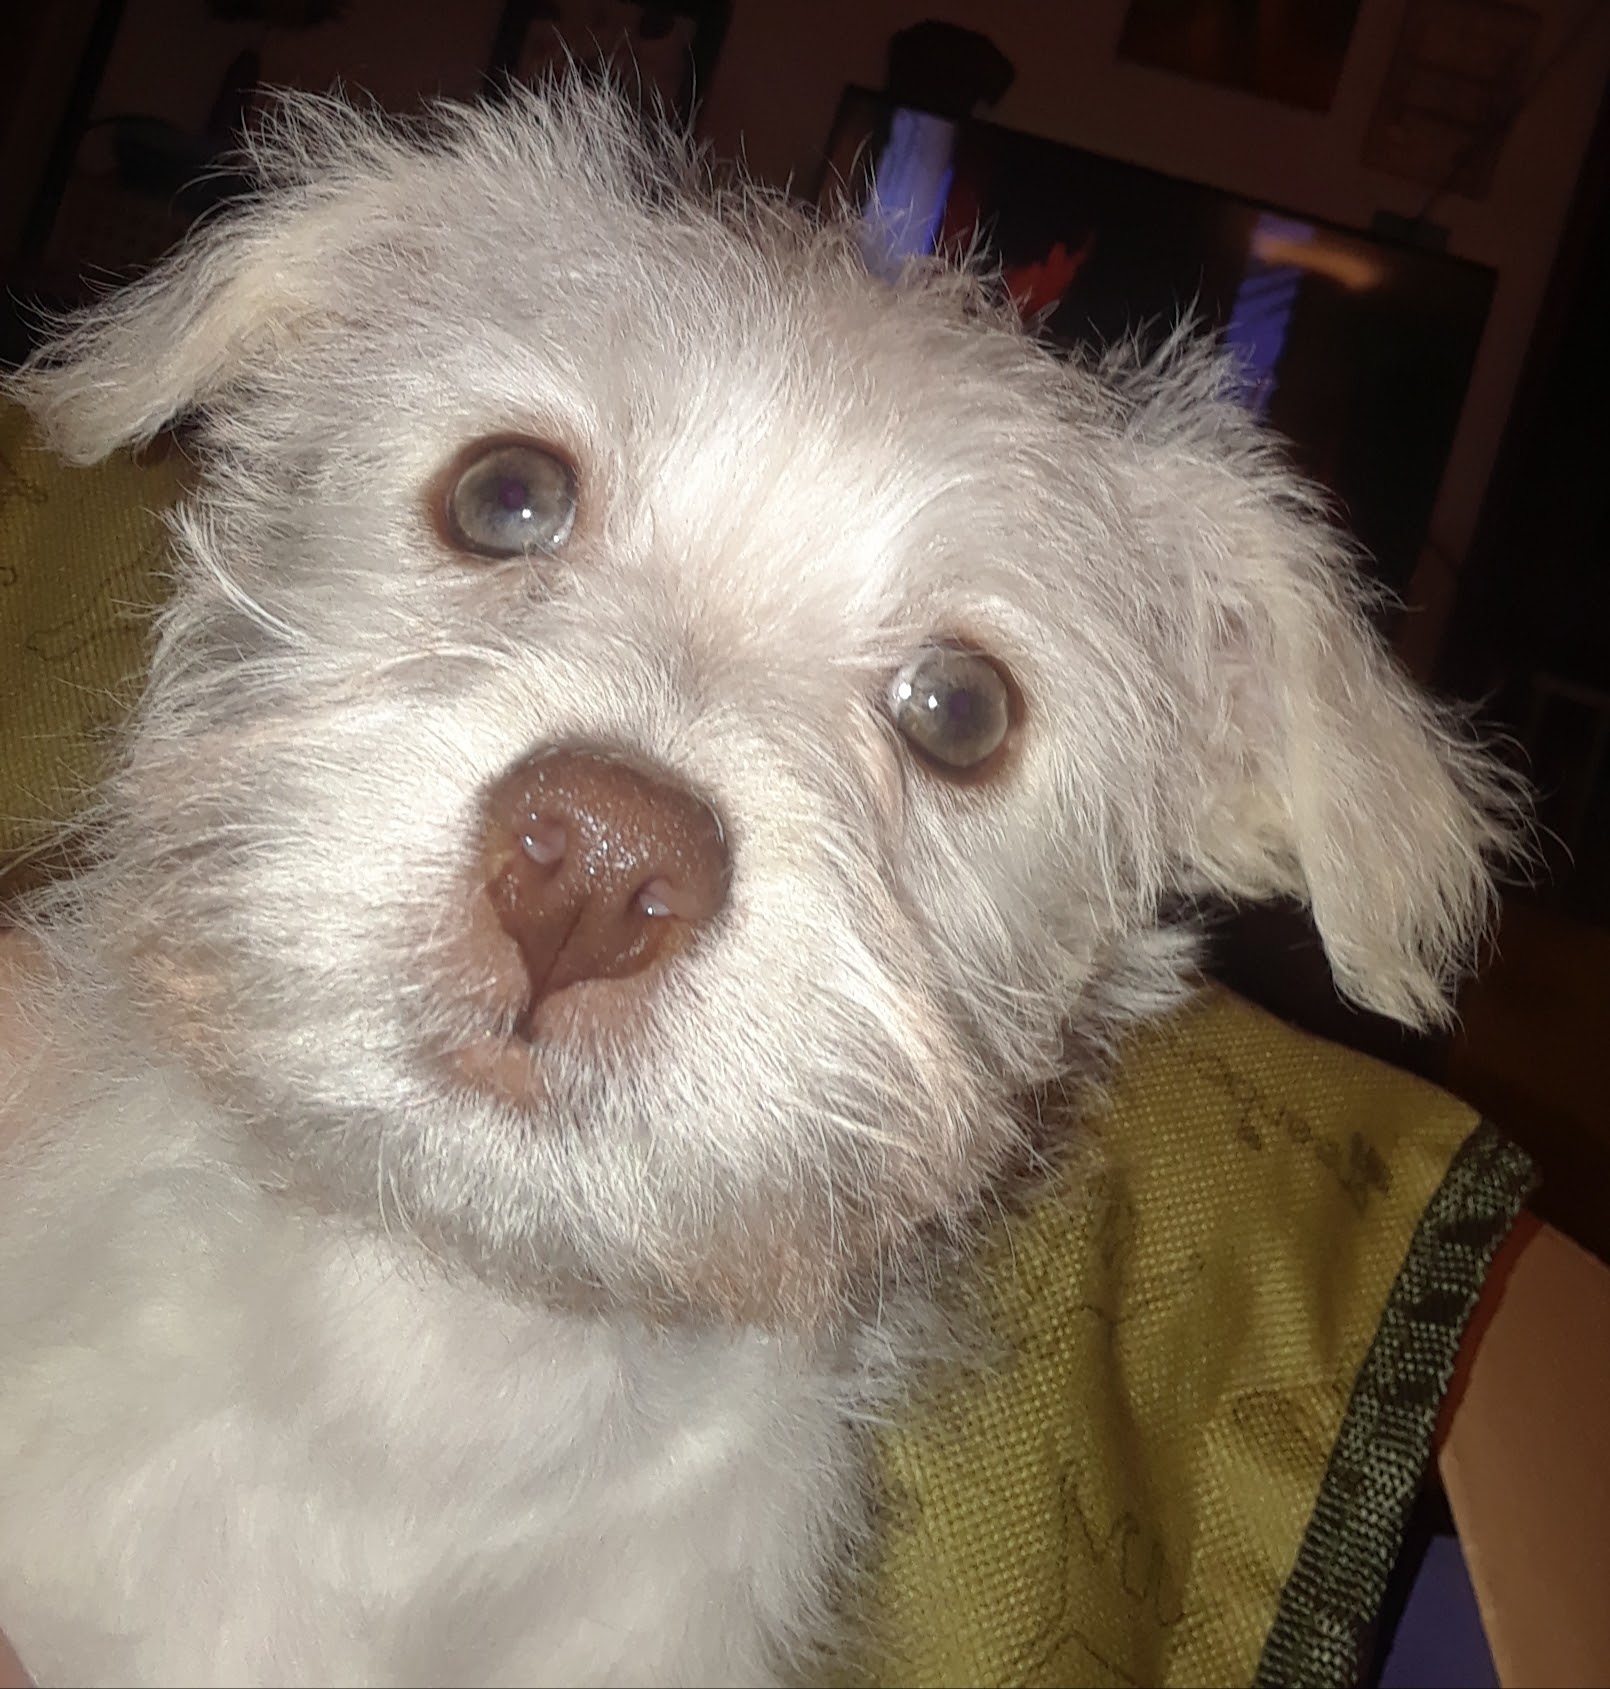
(661, 737)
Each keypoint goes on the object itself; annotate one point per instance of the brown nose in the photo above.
(597, 869)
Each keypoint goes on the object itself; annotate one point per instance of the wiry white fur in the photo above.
(317, 1363)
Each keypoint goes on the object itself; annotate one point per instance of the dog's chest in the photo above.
(233, 1457)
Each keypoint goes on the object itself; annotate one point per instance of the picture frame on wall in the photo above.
(1458, 75)
(1286, 50)
(662, 52)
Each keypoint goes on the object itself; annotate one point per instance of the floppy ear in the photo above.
(1314, 767)
(115, 373)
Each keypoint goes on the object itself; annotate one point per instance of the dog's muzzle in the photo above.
(598, 869)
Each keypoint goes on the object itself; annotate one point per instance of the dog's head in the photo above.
(661, 737)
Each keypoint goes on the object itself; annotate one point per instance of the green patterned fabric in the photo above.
(1222, 1350)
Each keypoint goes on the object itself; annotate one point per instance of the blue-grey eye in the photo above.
(952, 705)
(511, 498)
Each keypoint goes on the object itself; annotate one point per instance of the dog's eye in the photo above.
(510, 498)
(952, 705)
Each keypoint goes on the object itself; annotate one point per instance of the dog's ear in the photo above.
(118, 371)
(1313, 767)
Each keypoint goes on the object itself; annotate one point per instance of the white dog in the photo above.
(660, 738)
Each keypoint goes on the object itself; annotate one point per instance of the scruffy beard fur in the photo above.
(348, 1337)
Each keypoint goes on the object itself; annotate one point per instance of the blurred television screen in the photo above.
(1357, 350)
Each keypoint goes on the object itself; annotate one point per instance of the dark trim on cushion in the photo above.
(1325, 1622)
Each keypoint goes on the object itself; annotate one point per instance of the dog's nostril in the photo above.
(663, 899)
(544, 841)
(597, 869)
(654, 899)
